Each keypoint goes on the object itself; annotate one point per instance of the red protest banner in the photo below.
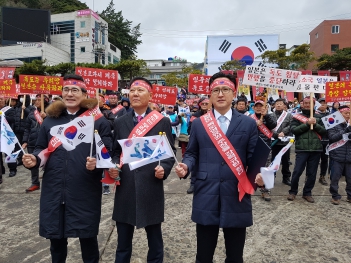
(91, 92)
(99, 78)
(164, 95)
(306, 72)
(198, 83)
(7, 86)
(338, 91)
(40, 84)
(323, 73)
(6, 73)
(345, 75)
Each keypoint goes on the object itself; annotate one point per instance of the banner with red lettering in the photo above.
(7, 73)
(228, 72)
(199, 84)
(323, 73)
(164, 95)
(91, 92)
(338, 91)
(344, 75)
(7, 86)
(306, 72)
(99, 78)
(40, 84)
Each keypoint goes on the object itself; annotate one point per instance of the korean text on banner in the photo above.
(164, 95)
(99, 78)
(338, 91)
(271, 78)
(6, 73)
(7, 86)
(40, 84)
(199, 84)
(315, 84)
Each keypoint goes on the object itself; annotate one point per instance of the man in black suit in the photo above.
(139, 200)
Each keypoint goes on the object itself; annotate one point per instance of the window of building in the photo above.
(82, 49)
(334, 47)
(316, 35)
(109, 57)
(115, 60)
(82, 24)
(335, 29)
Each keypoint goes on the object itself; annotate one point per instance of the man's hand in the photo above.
(91, 163)
(311, 121)
(181, 170)
(43, 115)
(259, 122)
(114, 172)
(159, 172)
(259, 180)
(24, 145)
(281, 134)
(29, 160)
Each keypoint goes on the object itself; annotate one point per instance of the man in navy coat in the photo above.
(216, 201)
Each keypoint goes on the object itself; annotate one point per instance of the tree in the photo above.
(121, 34)
(130, 68)
(180, 78)
(299, 58)
(233, 65)
(36, 67)
(340, 60)
(61, 69)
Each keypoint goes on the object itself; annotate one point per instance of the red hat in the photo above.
(259, 102)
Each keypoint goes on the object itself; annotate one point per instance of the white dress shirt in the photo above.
(228, 116)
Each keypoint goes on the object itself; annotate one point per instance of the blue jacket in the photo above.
(216, 199)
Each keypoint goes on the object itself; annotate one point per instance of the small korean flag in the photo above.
(332, 120)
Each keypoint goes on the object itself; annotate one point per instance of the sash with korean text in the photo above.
(192, 118)
(304, 119)
(55, 142)
(336, 145)
(228, 153)
(117, 109)
(280, 120)
(263, 128)
(38, 117)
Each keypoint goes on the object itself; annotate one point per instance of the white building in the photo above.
(77, 37)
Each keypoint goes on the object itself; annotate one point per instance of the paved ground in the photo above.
(283, 231)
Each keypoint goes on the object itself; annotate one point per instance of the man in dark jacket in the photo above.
(265, 124)
(340, 154)
(16, 117)
(70, 201)
(31, 134)
(216, 202)
(281, 130)
(308, 148)
(126, 104)
(139, 199)
(241, 106)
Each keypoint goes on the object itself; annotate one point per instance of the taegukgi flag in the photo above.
(75, 132)
(8, 137)
(103, 158)
(12, 158)
(332, 120)
(140, 151)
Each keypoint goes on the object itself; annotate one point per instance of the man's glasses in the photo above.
(73, 90)
(224, 90)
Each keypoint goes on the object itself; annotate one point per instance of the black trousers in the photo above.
(124, 243)
(34, 171)
(285, 160)
(337, 171)
(207, 236)
(13, 166)
(309, 160)
(89, 248)
(324, 161)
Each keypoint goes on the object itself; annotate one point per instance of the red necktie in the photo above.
(139, 118)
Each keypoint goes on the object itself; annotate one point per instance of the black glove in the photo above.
(348, 129)
(349, 136)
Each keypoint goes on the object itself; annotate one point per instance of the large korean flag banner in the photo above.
(273, 78)
(243, 48)
(75, 132)
(315, 84)
(140, 151)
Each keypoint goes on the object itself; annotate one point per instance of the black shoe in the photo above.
(3, 169)
(19, 163)
(0, 179)
(290, 163)
(12, 173)
(190, 190)
(287, 181)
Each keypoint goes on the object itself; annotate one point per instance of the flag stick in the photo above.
(92, 140)
(42, 103)
(24, 101)
(311, 108)
(175, 158)
(10, 102)
(21, 147)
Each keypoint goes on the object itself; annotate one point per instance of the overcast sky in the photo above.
(179, 28)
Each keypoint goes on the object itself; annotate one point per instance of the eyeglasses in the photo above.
(224, 90)
(204, 104)
(72, 90)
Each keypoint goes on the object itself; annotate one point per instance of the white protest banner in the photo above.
(315, 84)
(274, 78)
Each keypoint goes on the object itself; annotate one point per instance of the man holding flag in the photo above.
(139, 200)
(70, 202)
(220, 148)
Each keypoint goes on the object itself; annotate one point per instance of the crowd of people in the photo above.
(217, 136)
